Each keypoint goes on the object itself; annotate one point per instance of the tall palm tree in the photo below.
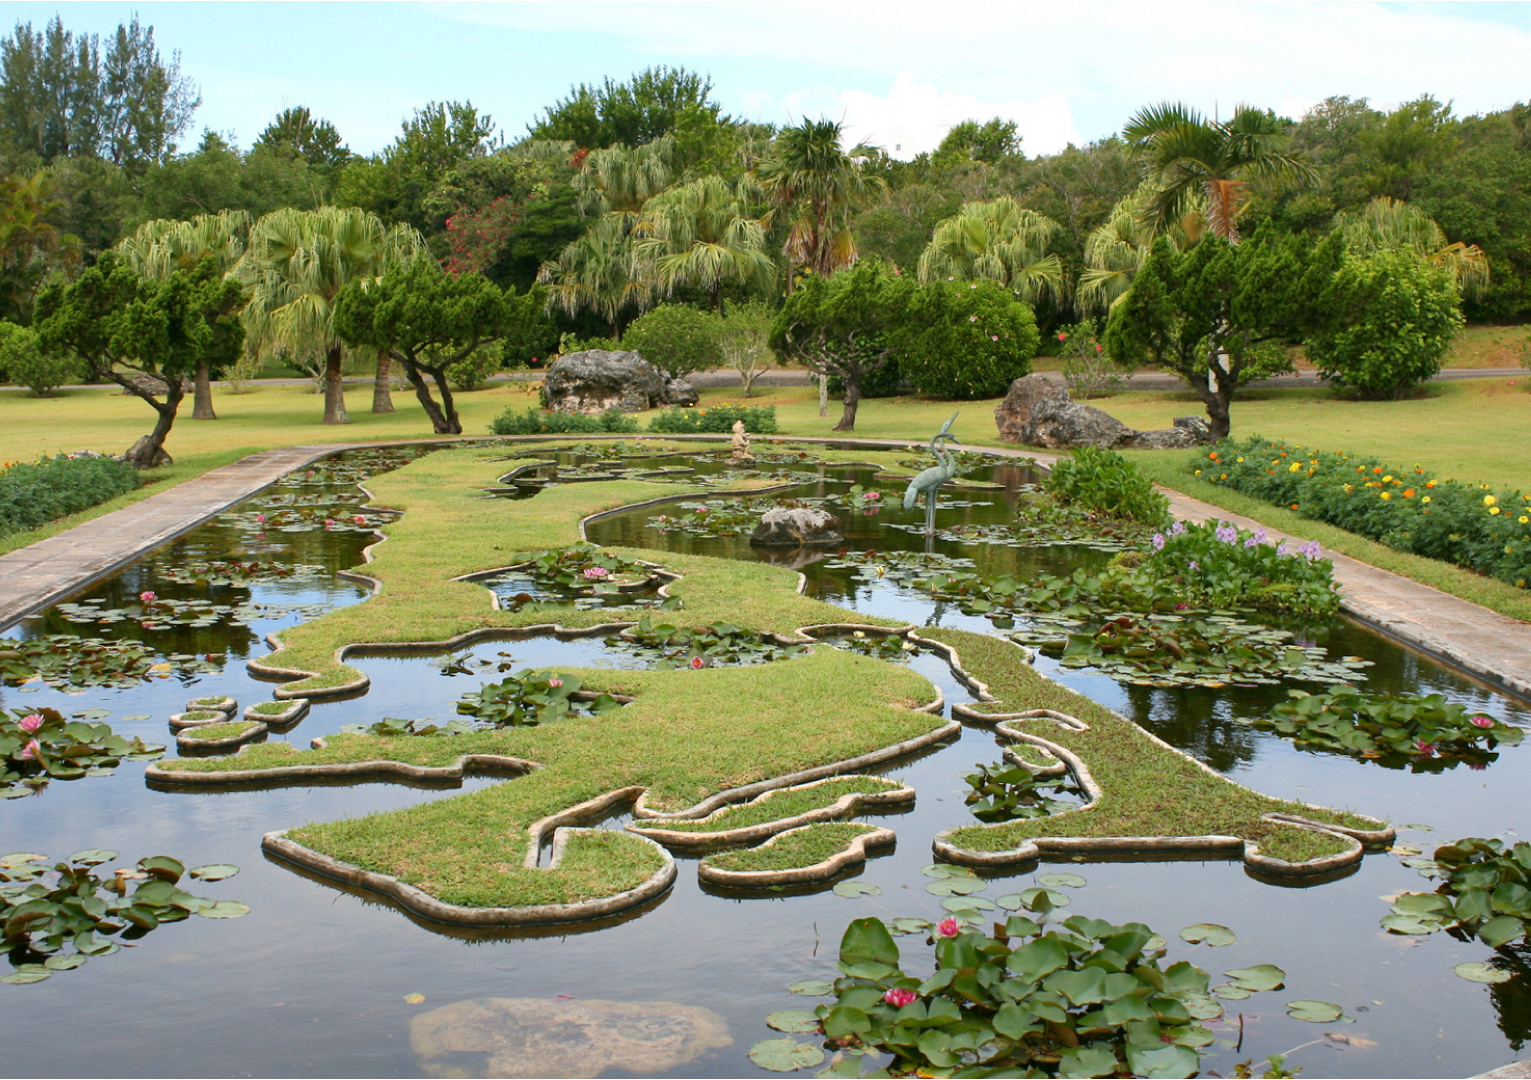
(296, 261)
(1116, 250)
(1000, 240)
(600, 272)
(160, 247)
(817, 186)
(700, 235)
(1188, 156)
(623, 178)
(1393, 225)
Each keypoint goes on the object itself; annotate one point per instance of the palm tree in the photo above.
(699, 235)
(1116, 250)
(30, 245)
(1189, 156)
(817, 186)
(1393, 225)
(161, 247)
(1000, 240)
(296, 261)
(623, 178)
(600, 272)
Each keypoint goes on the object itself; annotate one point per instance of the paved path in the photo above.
(1493, 647)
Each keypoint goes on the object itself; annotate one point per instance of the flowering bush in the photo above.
(1471, 525)
(538, 422)
(967, 339)
(1087, 367)
(716, 419)
(35, 493)
(1224, 566)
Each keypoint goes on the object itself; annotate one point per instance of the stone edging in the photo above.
(351, 770)
(843, 807)
(853, 854)
(187, 741)
(423, 904)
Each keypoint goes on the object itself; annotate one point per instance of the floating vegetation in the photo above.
(967, 461)
(666, 646)
(391, 726)
(40, 745)
(66, 661)
(582, 574)
(723, 517)
(1422, 734)
(1485, 892)
(1005, 792)
(164, 613)
(531, 697)
(892, 647)
(237, 572)
(55, 918)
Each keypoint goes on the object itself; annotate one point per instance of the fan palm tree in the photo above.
(159, 248)
(1188, 156)
(817, 186)
(1116, 250)
(700, 235)
(600, 272)
(295, 263)
(1000, 240)
(623, 178)
(1393, 225)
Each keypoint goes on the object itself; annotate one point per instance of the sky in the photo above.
(897, 75)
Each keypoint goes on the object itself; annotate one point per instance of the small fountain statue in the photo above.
(741, 454)
(929, 482)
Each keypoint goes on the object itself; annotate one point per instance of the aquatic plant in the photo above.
(39, 745)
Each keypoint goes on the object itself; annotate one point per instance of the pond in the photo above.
(318, 981)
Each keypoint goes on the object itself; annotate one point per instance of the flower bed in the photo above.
(35, 493)
(1410, 510)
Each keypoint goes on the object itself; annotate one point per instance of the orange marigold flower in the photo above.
(1408, 493)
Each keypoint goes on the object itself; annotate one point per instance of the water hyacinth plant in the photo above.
(40, 745)
(1221, 565)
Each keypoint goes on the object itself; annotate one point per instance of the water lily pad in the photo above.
(414, 999)
(1259, 977)
(906, 925)
(1230, 992)
(812, 987)
(1211, 933)
(857, 888)
(92, 856)
(785, 1055)
(956, 886)
(793, 1020)
(224, 909)
(1062, 881)
(20, 977)
(65, 962)
(91, 714)
(1314, 1012)
(19, 858)
(1418, 828)
(1480, 971)
(213, 871)
(961, 904)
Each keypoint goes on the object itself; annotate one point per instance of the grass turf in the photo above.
(218, 731)
(794, 850)
(780, 805)
(1147, 789)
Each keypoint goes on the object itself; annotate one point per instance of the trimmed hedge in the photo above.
(717, 419)
(1471, 525)
(33, 494)
(535, 421)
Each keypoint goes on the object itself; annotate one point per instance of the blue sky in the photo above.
(897, 74)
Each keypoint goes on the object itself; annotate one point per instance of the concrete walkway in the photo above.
(1490, 646)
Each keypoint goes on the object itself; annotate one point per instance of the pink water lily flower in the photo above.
(30, 723)
(900, 998)
(948, 927)
(555, 682)
(696, 661)
(1483, 722)
(261, 518)
(328, 522)
(595, 573)
(147, 597)
(359, 520)
(30, 751)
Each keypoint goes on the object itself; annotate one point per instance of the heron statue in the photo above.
(929, 482)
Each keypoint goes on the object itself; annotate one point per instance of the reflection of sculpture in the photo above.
(741, 454)
(929, 482)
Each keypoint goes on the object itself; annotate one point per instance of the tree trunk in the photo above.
(823, 394)
(453, 425)
(852, 399)
(382, 391)
(202, 398)
(334, 390)
(145, 452)
(439, 422)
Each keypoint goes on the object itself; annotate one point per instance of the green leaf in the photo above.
(785, 1055)
(1088, 1061)
(1479, 971)
(961, 905)
(857, 888)
(163, 867)
(793, 1020)
(1211, 933)
(1501, 931)
(1314, 1012)
(1062, 881)
(1259, 977)
(22, 977)
(811, 987)
(956, 886)
(20, 858)
(213, 872)
(224, 909)
(1165, 1061)
(92, 857)
(868, 940)
(1230, 992)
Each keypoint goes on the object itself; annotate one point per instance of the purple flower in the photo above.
(1260, 536)
(1251, 542)
(1177, 528)
(1310, 549)
(1194, 566)
(1226, 533)
(1158, 541)
(900, 998)
(1281, 549)
(30, 723)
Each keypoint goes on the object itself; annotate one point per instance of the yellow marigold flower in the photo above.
(1296, 465)
(1240, 460)
(1387, 479)
(1523, 519)
(1387, 494)
(1425, 499)
(1494, 510)
(1489, 500)
(1429, 483)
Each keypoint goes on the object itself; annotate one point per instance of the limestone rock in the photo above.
(797, 527)
(1039, 412)
(597, 380)
(141, 447)
(531, 1037)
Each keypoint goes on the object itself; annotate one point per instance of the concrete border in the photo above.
(853, 854)
(845, 806)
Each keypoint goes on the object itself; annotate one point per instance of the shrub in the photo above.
(1471, 525)
(472, 372)
(37, 493)
(742, 341)
(23, 361)
(1104, 482)
(537, 422)
(1087, 367)
(676, 339)
(1393, 318)
(719, 419)
(1219, 565)
(967, 339)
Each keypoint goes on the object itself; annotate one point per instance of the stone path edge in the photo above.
(853, 854)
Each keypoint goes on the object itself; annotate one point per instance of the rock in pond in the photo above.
(797, 527)
(531, 1037)
(597, 379)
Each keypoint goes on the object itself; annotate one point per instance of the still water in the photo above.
(314, 980)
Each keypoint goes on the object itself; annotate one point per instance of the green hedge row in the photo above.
(716, 419)
(35, 493)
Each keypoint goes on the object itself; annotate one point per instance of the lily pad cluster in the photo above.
(666, 646)
(391, 726)
(722, 517)
(69, 661)
(530, 697)
(1485, 892)
(238, 572)
(40, 745)
(1422, 734)
(55, 918)
(583, 573)
(1005, 792)
(163, 613)
(891, 647)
